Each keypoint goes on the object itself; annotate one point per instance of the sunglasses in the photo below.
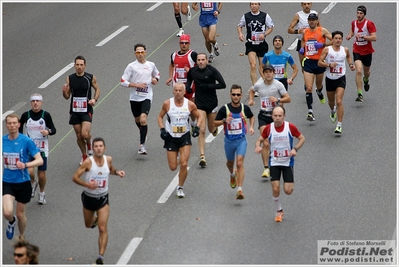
(184, 43)
(19, 255)
(140, 52)
(236, 94)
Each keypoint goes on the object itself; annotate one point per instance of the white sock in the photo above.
(239, 188)
(339, 124)
(277, 203)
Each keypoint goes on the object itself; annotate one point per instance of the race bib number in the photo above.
(255, 37)
(266, 103)
(179, 129)
(336, 71)
(207, 6)
(235, 126)
(10, 160)
(310, 48)
(280, 154)
(142, 91)
(360, 40)
(279, 71)
(100, 181)
(41, 144)
(79, 104)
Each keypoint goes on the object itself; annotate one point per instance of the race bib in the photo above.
(235, 126)
(101, 181)
(142, 91)
(280, 154)
(255, 37)
(279, 71)
(79, 104)
(10, 160)
(310, 48)
(266, 104)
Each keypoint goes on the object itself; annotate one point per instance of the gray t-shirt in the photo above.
(275, 89)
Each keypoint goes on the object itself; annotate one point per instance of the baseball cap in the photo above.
(268, 67)
(312, 16)
(185, 37)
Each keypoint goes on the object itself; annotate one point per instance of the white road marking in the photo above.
(170, 189)
(211, 137)
(56, 76)
(329, 7)
(13, 109)
(293, 45)
(127, 254)
(154, 6)
(106, 40)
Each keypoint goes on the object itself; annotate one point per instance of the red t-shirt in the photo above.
(360, 45)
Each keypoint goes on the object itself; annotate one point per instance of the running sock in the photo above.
(239, 188)
(360, 91)
(309, 100)
(339, 124)
(266, 167)
(178, 20)
(277, 203)
(13, 220)
(232, 175)
(138, 125)
(365, 79)
(143, 133)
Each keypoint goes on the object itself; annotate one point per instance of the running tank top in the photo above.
(33, 129)
(311, 37)
(100, 176)
(339, 57)
(177, 122)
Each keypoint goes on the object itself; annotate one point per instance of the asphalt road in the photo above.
(345, 187)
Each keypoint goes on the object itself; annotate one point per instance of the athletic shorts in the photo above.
(284, 82)
(140, 107)
(298, 46)
(94, 203)
(209, 109)
(79, 117)
(233, 148)
(263, 119)
(288, 173)
(260, 49)
(206, 20)
(332, 85)
(311, 66)
(173, 144)
(21, 191)
(44, 166)
(365, 59)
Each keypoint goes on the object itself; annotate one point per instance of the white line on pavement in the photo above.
(211, 137)
(169, 190)
(329, 7)
(56, 76)
(127, 254)
(154, 6)
(13, 109)
(106, 40)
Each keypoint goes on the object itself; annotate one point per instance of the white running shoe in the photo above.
(216, 49)
(142, 150)
(179, 192)
(34, 186)
(180, 33)
(188, 15)
(42, 198)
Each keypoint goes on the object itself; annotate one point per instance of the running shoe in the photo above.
(142, 150)
(99, 261)
(216, 49)
(188, 15)
(279, 216)
(90, 147)
(179, 192)
(359, 98)
(310, 116)
(210, 59)
(366, 85)
(34, 186)
(84, 157)
(239, 195)
(215, 132)
(95, 223)
(202, 162)
(42, 198)
(333, 117)
(338, 130)
(321, 97)
(266, 173)
(180, 33)
(10, 231)
(233, 182)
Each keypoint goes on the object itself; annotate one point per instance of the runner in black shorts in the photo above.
(78, 88)
(96, 170)
(176, 131)
(207, 80)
